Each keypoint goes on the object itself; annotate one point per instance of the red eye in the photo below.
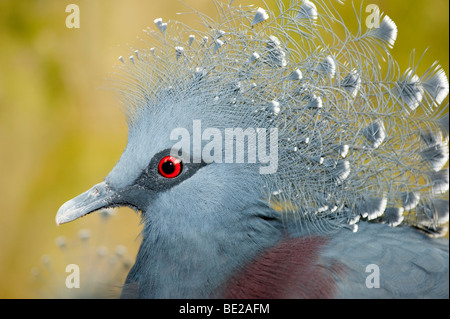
(170, 167)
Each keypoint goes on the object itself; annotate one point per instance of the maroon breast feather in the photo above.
(290, 269)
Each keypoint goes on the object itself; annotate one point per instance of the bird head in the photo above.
(168, 169)
(227, 121)
(203, 137)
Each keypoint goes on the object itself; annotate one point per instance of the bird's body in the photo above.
(336, 265)
(335, 175)
(339, 265)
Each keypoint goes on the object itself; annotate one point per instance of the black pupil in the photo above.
(168, 167)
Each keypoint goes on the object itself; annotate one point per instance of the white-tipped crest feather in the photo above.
(329, 101)
(260, 16)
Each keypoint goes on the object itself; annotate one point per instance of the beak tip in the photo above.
(67, 212)
(59, 219)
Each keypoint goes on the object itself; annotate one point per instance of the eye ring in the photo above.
(170, 167)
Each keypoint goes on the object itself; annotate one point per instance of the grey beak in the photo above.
(99, 196)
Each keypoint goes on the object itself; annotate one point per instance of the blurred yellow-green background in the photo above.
(61, 129)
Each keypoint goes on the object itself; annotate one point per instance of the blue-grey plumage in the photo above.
(357, 179)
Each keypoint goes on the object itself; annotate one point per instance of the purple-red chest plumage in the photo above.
(290, 269)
